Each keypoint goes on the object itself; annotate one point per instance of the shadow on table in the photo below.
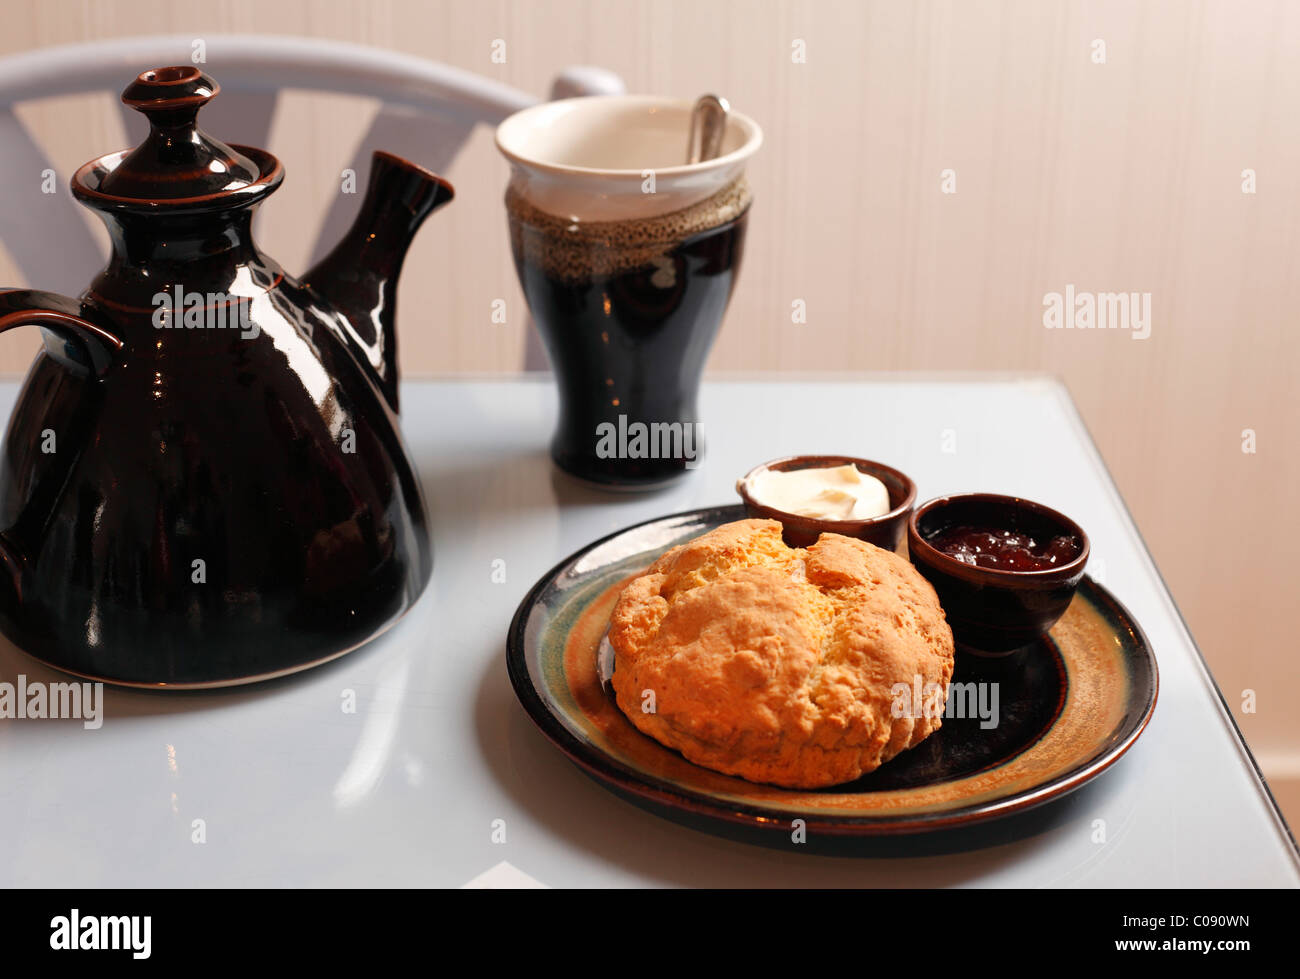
(123, 703)
(999, 832)
(505, 480)
(691, 851)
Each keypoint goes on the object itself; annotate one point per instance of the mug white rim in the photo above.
(753, 140)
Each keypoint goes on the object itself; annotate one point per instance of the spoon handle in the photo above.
(708, 123)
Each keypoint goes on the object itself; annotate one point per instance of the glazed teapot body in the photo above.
(203, 480)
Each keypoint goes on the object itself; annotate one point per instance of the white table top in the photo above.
(407, 790)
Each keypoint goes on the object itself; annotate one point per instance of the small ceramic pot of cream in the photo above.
(813, 495)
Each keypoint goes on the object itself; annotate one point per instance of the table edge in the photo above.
(1207, 676)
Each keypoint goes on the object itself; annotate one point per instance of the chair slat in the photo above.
(241, 117)
(46, 236)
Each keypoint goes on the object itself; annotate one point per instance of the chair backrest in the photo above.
(449, 103)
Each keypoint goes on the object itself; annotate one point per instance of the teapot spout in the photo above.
(359, 277)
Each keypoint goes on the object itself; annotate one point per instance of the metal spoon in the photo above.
(708, 123)
(605, 664)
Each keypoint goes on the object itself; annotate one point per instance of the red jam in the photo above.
(1005, 550)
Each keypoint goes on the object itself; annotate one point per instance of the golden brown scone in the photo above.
(779, 664)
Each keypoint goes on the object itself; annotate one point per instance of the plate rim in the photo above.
(620, 779)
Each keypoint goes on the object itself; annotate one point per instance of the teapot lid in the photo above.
(178, 163)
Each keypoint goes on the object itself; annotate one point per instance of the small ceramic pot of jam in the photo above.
(1005, 568)
(826, 496)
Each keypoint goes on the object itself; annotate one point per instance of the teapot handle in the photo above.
(75, 342)
(70, 339)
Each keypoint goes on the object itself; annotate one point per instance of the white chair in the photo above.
(51, 244)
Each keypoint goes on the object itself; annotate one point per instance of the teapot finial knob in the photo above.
(171, 97)
(178, 162)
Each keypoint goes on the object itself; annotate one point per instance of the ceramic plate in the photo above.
(1068, 707)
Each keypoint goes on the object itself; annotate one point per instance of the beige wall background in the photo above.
(1117, 176)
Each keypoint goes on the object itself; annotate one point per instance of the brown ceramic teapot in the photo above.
(203, 481)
